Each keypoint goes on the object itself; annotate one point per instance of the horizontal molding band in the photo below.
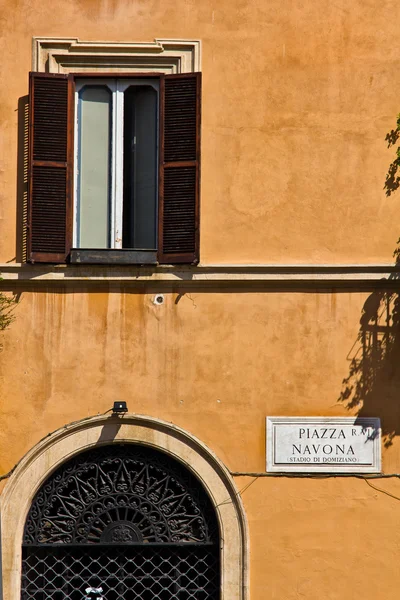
(383, 275)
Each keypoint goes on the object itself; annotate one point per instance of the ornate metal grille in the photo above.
(124, 518)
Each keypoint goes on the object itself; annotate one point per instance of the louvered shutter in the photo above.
(50, 167)
(179, 181)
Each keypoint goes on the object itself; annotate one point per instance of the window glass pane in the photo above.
(94, 167)
(140, 168)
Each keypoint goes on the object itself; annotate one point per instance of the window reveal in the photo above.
(131, 186)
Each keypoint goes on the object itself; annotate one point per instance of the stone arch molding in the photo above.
(72, 439)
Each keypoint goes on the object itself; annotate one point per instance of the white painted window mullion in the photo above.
(117, 168)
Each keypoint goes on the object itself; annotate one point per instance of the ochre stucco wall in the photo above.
(216, 363)
(297, 100)
(336, 539)
(212, 363)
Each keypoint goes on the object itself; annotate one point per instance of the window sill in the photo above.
(113, 257)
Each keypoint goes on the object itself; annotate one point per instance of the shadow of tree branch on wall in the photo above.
(373, 383)
(372, 387)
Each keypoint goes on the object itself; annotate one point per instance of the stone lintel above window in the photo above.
(71, 55)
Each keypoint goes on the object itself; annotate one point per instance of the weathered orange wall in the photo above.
(297, 100)
(216, 363)
(335, 538)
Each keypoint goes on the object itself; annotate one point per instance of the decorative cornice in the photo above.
(205, 275)
(66, 55)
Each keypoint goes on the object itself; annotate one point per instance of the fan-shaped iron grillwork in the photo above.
(125, 518)
(118, 494)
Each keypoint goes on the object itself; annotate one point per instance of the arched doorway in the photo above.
(121, 521)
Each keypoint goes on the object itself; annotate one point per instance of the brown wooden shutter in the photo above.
(179, 181)
(51, 101)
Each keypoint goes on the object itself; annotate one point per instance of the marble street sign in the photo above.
(323, 444)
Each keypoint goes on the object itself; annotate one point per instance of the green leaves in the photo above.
(7, 306)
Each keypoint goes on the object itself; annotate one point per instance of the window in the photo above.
(116, 183)
(114, 168)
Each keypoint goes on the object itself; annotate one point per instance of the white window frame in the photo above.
(117, 88)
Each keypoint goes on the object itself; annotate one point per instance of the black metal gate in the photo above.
(124, 519)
